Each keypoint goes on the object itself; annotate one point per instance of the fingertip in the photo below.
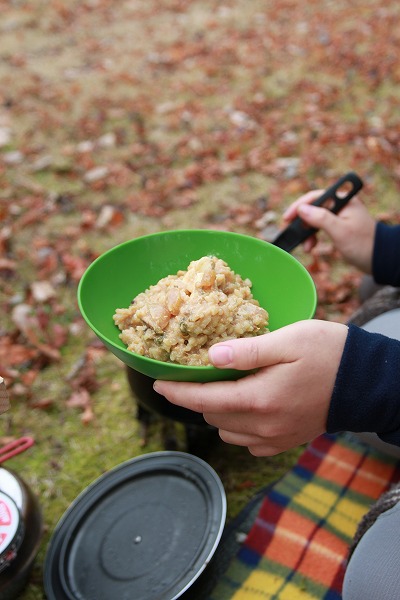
(157, 386)
(289, 213)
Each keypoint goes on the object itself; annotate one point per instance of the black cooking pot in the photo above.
(142, 388)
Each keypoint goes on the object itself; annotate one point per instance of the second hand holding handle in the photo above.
(297, 231)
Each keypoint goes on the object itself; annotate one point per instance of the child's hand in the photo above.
(352, 230)
(285, 403)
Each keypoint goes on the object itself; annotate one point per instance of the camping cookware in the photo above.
(126, 270)
(147, 529)
(334, 198)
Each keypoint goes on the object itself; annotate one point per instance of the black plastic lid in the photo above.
(145, 530)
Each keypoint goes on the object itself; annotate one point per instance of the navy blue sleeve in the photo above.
(366, 396)
(386, 254)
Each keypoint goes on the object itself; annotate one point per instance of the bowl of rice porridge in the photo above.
(159, 301)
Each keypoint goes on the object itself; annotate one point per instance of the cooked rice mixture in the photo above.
(179, 318)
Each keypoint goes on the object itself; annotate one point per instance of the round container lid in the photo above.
(145, 530)
(11, 530)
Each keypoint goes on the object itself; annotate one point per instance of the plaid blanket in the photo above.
(297, 546)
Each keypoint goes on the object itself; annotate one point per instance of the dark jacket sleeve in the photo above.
(386, 254)
(366, 396)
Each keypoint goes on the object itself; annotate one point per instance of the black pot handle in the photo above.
(297, 231)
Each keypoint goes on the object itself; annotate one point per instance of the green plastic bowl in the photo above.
(281, 284)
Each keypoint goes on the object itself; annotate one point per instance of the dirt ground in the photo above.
(119, 119)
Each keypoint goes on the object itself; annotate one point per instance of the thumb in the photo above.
(248, 353)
